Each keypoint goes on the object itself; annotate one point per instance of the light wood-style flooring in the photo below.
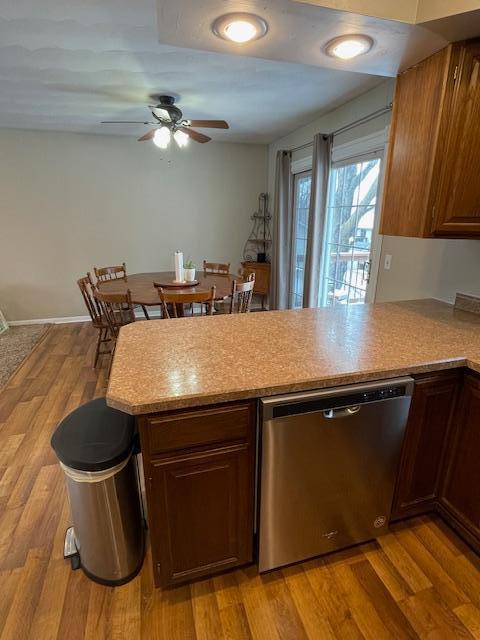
(419, 581)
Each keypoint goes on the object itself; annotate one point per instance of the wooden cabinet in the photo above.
(456, 190)
(440, 463)
(460, 497)
(431, 413)
(431, 181)
(199, 467)
(199, 476)
(262, 277)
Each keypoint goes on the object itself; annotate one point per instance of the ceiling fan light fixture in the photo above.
(181, 138)
(240, 27)
(349, 46)
(162, 137)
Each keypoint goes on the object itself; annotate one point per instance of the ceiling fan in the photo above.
(169, 122)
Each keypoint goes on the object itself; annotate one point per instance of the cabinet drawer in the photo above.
(198, 428)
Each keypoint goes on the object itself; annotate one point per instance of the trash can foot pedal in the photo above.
(70, 549)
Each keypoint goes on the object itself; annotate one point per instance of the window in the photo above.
(301, 203)
(350, 227)
(351, 243)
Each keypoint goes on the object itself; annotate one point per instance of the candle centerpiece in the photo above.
(179, 275)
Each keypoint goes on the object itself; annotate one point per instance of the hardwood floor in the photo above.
(419, 581)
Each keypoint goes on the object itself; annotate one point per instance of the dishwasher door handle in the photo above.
(342, 413)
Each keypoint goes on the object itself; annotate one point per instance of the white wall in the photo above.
(425, 268)
(69, 202)
(420, 268)
(355, 109)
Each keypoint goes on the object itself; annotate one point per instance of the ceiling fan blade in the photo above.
(125, 122)
(195, 135)
(148, 136)
(209, 124)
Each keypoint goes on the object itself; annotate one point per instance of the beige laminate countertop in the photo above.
(186, 362)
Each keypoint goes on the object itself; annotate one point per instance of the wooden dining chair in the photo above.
(170, 301)
(116, 272)
(99, 321)
(219, 268)
(241, 296)
(117, 309)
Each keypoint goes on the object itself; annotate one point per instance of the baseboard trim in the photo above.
(64, 320)
(67, 319)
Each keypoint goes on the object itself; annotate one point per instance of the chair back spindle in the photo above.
(242, 293)
(220, 268)
(87, 289)
(111, 273)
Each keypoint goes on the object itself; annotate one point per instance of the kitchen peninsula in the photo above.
(194, 385)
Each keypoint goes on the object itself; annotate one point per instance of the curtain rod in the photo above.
(351, 125)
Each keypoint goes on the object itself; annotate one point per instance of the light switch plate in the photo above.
(388, 262)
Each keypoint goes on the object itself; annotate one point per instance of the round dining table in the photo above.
(145, 293)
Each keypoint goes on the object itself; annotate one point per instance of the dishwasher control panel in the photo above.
(353, 395)
(383, 394)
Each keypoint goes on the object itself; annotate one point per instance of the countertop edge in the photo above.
(192, 401)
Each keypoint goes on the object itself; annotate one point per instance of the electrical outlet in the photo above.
(388, 262)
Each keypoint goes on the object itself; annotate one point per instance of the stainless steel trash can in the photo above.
(96, 449)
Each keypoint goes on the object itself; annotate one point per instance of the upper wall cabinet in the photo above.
(432, 184)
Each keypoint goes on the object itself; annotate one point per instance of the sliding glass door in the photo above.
(301, 203)
(351, 230)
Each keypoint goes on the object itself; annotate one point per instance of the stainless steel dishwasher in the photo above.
(328, 464)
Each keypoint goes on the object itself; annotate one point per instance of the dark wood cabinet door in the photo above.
(461, 491)
(457, 189)
(429, 421)
(201, 513)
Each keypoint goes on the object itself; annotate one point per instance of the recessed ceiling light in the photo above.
(348, 47)
(240, 27)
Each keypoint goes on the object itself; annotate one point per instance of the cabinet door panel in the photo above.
(457, 202)
(202, 513)
(413, 137)
(425, 441)
(460, 494)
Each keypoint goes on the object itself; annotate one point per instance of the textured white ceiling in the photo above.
(68, 64)
(298, 33)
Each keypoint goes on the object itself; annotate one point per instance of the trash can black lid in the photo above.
(94, 437)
